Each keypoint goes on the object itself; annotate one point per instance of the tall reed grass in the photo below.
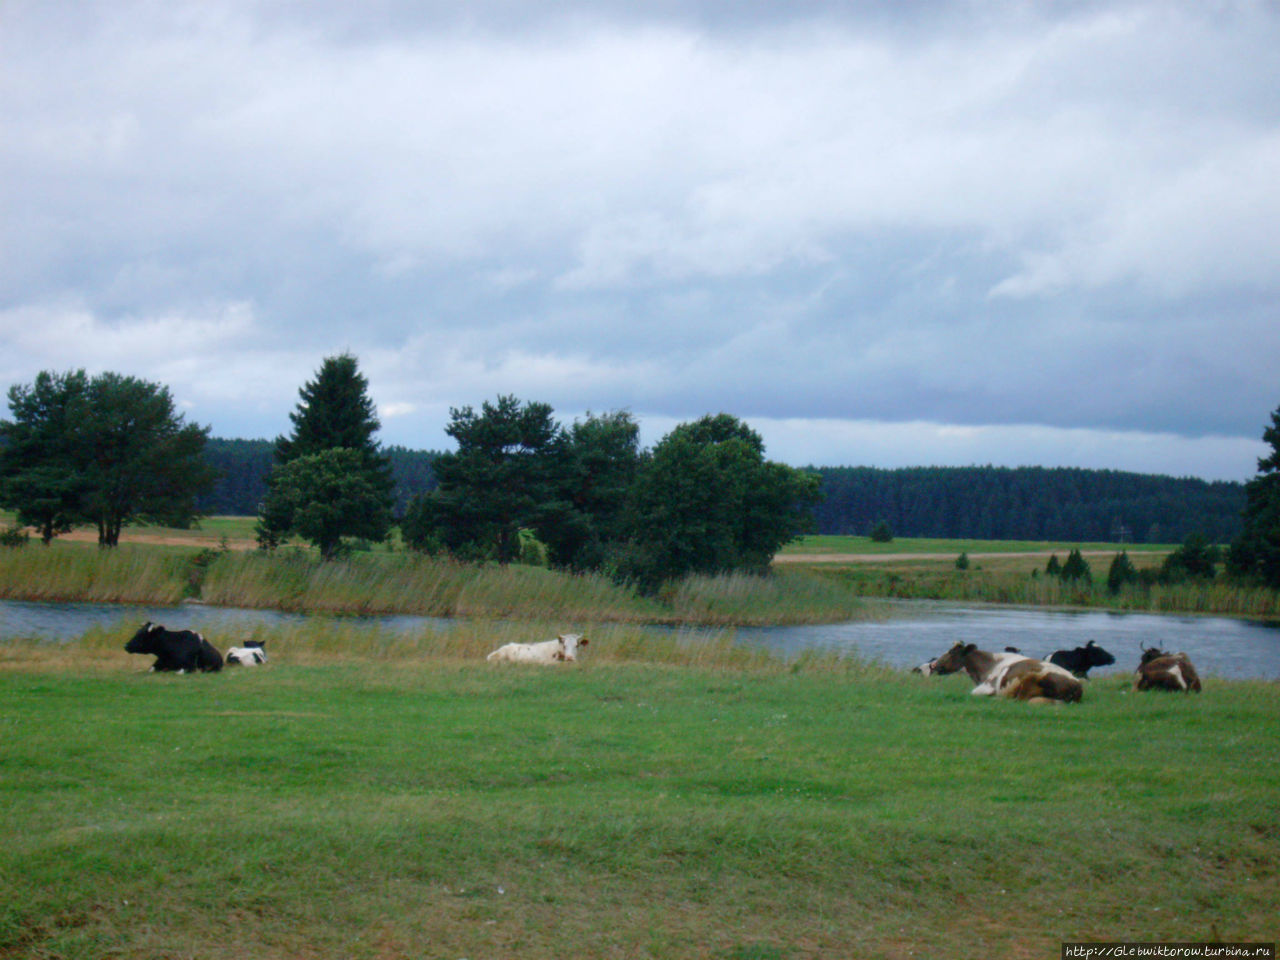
(407, 583)
(126, 574)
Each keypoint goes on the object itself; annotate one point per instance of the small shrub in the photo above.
(882, 533)
(1122, 571)
(1076, 568)
(1053, 568)
(1196, 559)
(962, 561)
(15, 537)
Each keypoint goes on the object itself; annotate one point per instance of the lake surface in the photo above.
(914, 632)
(919, 630)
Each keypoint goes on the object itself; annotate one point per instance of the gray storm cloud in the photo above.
(1000, 217)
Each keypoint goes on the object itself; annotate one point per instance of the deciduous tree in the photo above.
(706, 501)
(324, 497)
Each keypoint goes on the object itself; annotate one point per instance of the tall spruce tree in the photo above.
(335, 412)
(1255, 552)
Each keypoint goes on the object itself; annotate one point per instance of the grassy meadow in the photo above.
(1012, 572)
(671, 798)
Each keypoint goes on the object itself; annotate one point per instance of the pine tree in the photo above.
(107, 451)
(1076, 568)
(1255, 553)
(507, 473)
(1121, 572)
(335, 413)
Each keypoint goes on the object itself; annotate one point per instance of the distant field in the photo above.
(827, 544)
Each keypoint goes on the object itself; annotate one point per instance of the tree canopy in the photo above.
(506, 474)
(326, 496)
(705, 500)
(334, 413)
(1256, 551)
(107, 450)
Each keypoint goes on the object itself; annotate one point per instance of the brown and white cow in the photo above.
(1165, 671)
(1011, 675)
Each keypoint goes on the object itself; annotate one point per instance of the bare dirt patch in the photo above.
(194, 539)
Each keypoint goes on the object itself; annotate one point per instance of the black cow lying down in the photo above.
(180, 651)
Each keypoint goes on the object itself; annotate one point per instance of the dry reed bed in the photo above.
(405, 583)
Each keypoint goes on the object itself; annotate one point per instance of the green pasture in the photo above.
(664, 799)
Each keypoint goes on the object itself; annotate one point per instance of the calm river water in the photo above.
(913, 632)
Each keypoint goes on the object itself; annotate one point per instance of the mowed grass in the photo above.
(666, 798)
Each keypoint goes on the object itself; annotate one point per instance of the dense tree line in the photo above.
(107, 450)
(703, 500)
(242, 466)
(111, 450)
(998, 503)
(1027, 503)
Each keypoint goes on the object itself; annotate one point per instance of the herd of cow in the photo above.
(1005, 674)
(1058, 679)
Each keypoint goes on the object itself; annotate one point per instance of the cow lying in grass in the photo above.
(250, 655)
(1082, 659)
(563, 649)
(1166, 671)
(177, 651)
(1010, 675)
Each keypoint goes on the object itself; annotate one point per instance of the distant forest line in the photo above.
(987, 503)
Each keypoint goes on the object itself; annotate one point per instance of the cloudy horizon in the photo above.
(884, 234)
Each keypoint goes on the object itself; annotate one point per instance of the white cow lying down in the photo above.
(563, 649)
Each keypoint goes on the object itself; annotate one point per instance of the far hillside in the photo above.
(988, 503)
(1028, 503)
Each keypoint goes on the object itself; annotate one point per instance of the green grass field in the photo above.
(657, 801)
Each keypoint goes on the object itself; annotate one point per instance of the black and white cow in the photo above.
(180, 651)
(1082, 659)
(250, 655)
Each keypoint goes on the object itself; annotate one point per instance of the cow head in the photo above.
(1095, 656)
(568, 644)
(144, 640)
(953, 659)
(1151, 653)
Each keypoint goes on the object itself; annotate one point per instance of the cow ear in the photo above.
(970, 647)
(583, 642)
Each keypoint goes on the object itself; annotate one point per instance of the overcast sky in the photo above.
(883, 233)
